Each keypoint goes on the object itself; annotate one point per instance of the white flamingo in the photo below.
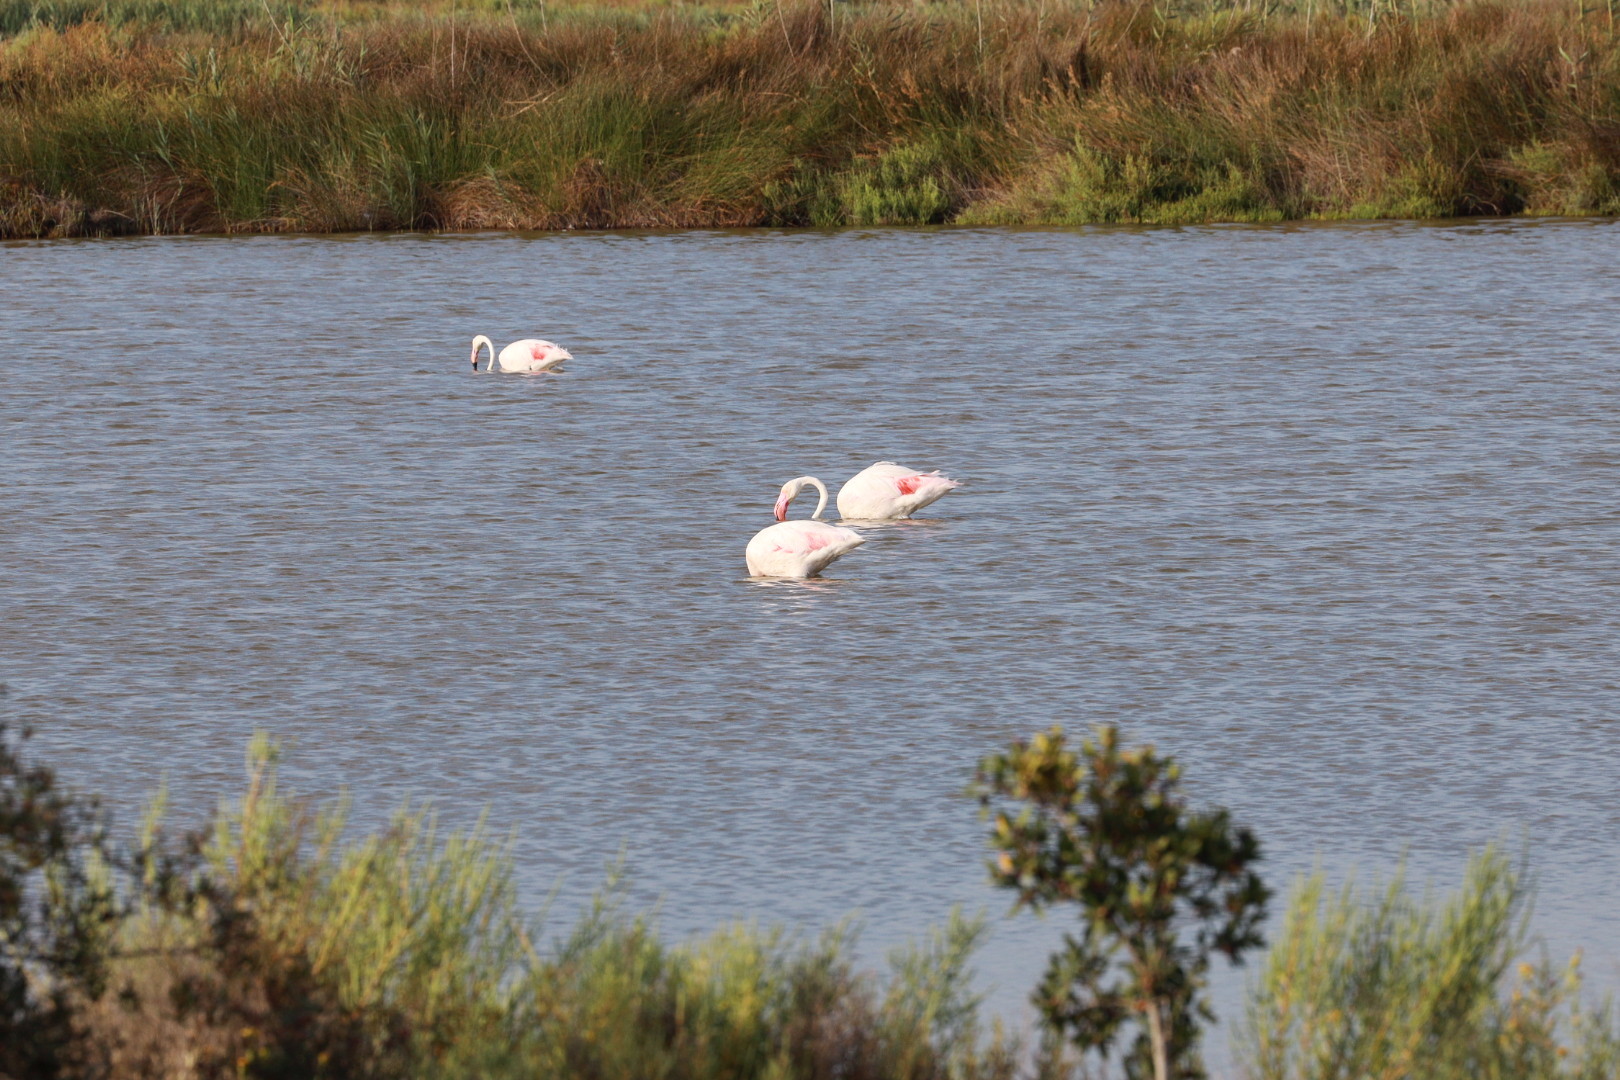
(799, 549)
(530, 354)
(887, 490)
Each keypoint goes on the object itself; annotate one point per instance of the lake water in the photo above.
(1331, 514)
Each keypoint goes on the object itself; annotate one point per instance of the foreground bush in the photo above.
(1390, 986)
(291, 953)
(184, 115)
(56, 911)
(277, 946)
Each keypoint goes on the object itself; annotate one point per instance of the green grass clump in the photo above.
(1088, 188)
(902, 186)
(1391, 986)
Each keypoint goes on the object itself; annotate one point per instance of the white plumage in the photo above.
(527, 355)
(799, 549)
(887, 490)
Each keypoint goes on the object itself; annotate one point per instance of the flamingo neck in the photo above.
(479, 342)
(821, 489)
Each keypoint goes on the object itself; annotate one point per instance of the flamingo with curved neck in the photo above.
(528, 355)
(790, 491)
(799, 549)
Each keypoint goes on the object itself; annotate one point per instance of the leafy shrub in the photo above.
(1159, 887)
(903, 186)
(1392, 986)
(292, 953)
(55, 910)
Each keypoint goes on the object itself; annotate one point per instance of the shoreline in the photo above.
(1298, 224)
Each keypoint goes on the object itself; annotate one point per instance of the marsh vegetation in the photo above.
(151, 116)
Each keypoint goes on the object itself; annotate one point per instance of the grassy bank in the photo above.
(131, 116)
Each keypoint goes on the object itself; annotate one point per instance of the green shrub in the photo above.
(902, 186)
(1392, 986)
(1159, 888)
(55, 914)
(291, 953)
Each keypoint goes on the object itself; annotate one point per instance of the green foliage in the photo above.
(903, 186)
(1420, 189)
(1562, 179)
(1389, 985)
(616, 1002)
(1108, 831)
(57, 911)
(1088, 187)
(344, 960)
(279, 945)
(293, 952)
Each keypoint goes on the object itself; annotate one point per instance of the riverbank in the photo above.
(162, 116)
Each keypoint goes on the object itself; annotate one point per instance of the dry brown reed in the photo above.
(802, 113)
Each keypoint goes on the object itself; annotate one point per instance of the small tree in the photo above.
(1106, 829)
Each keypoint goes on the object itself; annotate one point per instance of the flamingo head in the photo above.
(786, 496)
(479, 342)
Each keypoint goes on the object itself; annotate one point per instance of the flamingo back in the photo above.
(799, 549)
(886, 490)
(533, 354)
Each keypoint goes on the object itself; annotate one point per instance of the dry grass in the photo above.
(155, 116)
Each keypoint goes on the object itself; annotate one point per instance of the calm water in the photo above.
(1328, 513)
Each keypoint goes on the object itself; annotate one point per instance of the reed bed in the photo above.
(169, 116)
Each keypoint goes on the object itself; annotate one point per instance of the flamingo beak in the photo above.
(781, 507)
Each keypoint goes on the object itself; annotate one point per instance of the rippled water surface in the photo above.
(1330, 514)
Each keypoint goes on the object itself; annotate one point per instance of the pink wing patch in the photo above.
(908, 485)
(804, 542)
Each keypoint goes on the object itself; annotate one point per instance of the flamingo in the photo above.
(530, 355)
(799, 549)
(887, 490)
